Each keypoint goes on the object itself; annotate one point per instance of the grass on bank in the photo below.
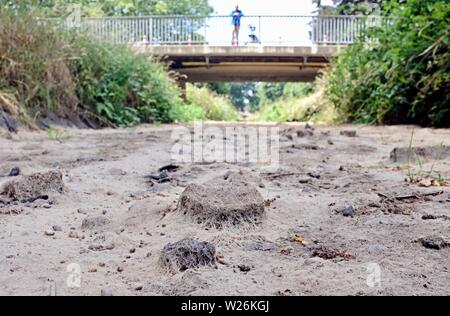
(47, 72)
(313, 106)
(203, 104)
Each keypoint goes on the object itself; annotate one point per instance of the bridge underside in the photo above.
(222, 69)
(245, 63)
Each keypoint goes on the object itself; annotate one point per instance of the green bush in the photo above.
(188, 113)
(269, 92)
(203, 104)
(36, 65)
(127, 88)
(277, 111)
(402, 74)
(300, 106)
(297, 89)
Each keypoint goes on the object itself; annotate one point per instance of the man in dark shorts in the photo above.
(236, 22)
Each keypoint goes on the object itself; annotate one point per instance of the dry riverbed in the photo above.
(89, 212)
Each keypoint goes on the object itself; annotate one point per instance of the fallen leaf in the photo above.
(299, 239)
(425, 183)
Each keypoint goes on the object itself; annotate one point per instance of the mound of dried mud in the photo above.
(187, 254)
(222, 204)
(405, 154)
(35, 186)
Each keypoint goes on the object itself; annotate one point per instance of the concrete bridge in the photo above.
(245, 63)
(272, 48)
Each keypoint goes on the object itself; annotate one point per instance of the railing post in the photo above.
(150, 31)
(259, 28)
(205, 42)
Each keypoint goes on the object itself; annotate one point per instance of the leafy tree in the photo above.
(354, 7)
(116, 7)
(219, 88)
(297, 89)
(351, 7)
(270, 91)
(244, 96)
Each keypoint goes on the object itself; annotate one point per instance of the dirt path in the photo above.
(304, 246)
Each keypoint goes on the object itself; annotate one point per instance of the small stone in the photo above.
(170, 167)
(119, 231)
(161, 177)
(73, 234)
(14, 172)
(138, 287)
(46, 205)
(102, 264)
(106, 292)
(49, 233)
(94, 222)
(110, 246)
(349, 211)
(305, 133)
(436, 243)
(325, 253)
(348, 133)
(120, 269)
(227, 174)
(93, 270)
(56, 228)
(261, 246)
(244, 268)
(101, 247)
(132, 250)
(96, 247)
(315, 175)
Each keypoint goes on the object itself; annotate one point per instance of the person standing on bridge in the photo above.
(236, 22)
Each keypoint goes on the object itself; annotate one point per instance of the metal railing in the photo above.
(216, 30)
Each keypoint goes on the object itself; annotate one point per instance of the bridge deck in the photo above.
(244, 63)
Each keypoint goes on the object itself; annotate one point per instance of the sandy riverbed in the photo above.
(105, 173)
